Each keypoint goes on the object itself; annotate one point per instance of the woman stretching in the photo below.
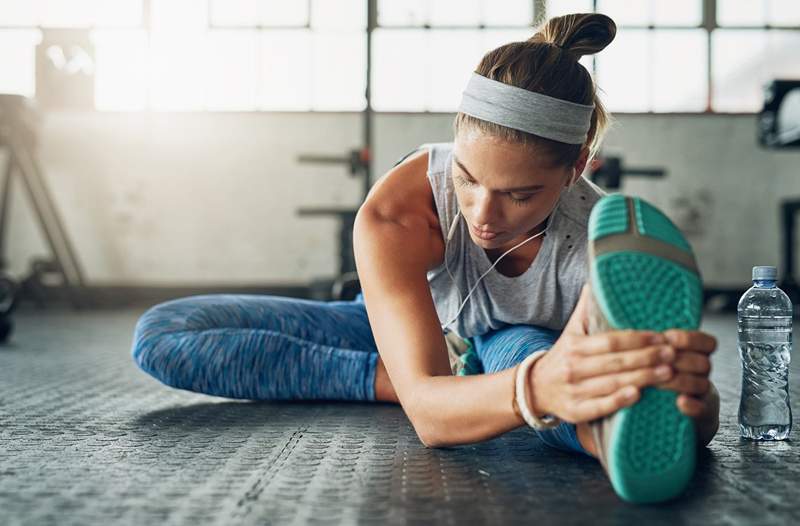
(500, 289)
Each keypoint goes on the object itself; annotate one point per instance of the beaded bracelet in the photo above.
(520, 400)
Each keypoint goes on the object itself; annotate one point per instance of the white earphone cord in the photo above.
(447, 268)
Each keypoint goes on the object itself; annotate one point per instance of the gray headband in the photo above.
(528, 111)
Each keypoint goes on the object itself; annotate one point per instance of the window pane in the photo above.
(455, 13)
(18, 56)
(339, 71)
(454, 55)
(338, 14)
(71, 13)
(677, 12)
(252, 13)
(179, 14)
(784, 12)
(231, 70)
(285, 73)
(745, 60)
(178, 70)
(119, 13)
(741, 12)
(120, 82)
(19, 12)
(283, 13)
(243, 13)
(399, 69)
(469, 13)
(402, 13)
(565, 7)
(493, 39)
(679, 69)
(58, 13)
(625, 12)
(507, 12)
(623, 71)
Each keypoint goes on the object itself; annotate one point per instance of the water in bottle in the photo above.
(765, 344)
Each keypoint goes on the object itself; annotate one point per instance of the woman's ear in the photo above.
(580, 164)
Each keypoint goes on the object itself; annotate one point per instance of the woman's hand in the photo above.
(693, 367)
(697, 398)
(584, 377)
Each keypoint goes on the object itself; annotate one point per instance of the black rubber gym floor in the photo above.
(87, 438)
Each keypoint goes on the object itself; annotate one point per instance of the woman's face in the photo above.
(503, 191)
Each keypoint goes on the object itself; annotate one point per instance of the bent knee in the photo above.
(155, 334)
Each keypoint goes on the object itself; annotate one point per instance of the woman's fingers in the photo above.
(609, 363)
(696, 341)
(615, 341)
(693, 362)
(593, 408)
(687, 383)
(604, 385)
(690, 406)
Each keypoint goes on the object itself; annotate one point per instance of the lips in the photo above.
(485, 234)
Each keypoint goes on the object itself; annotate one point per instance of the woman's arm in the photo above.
(393, 254)
(397, 238)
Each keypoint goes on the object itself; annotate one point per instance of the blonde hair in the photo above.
(548, 63)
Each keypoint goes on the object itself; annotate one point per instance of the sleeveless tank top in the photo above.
(544, 295)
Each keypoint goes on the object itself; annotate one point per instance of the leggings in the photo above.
(261, 347)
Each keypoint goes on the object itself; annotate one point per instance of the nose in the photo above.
(483, 209)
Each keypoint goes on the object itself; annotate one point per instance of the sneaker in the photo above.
(643, 275)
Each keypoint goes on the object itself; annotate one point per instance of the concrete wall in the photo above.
(210, 198)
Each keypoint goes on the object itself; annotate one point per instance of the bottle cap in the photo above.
(770, 273)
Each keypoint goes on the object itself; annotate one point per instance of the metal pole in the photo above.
(4, 200)
(372, 23)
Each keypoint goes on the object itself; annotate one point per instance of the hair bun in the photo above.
(580, 33)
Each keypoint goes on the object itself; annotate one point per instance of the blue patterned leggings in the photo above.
(275, 348)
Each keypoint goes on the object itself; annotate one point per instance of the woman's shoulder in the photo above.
(405, 189)
(436, 153)
(578, 203)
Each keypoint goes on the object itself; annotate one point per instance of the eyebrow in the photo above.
(517, 189)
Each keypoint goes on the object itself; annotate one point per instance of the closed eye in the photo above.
(520, 198)
(464, 181)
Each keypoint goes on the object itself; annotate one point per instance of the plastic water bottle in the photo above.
(765, 344)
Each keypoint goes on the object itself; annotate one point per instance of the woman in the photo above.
(431, 242)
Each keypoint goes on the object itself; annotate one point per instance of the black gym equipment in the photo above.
(18, 125)
(607, 171)
(345, 286)
(779, 119)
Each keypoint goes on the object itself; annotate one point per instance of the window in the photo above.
(658, 61)
(425, 51)
(744, 60)
(654, 70)
(636, 73)
(755, 41)
(18, 56)
(310, 55)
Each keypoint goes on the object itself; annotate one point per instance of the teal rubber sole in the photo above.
(644, 277)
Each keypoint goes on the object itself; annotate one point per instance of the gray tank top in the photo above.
(544, 295)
